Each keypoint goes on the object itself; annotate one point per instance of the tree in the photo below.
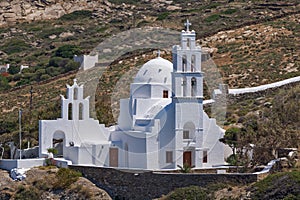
(71, 66)
(231, 138)
(68, 51)
(4, 83)
(274, 127)
(13, 70)
(58, 62)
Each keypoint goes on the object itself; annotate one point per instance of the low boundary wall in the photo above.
(130, 184)
(8, 164)
(233, 98)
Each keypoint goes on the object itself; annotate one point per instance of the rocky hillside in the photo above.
(49, 183)
(13, 11)
(283, 185)
(252, 43)
(17, 11)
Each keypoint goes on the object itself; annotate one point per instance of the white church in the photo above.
(161, 125)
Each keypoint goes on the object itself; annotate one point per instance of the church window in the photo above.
(75, 94)
(186, 134)
(184, 86)
(193, 63)
(169, 156)
(183, 63)
(204, 156)
(194, 86)
(134, 107)
(165, 94)
(80, 111)
(188, 43)
(189, 130)
(70, 112)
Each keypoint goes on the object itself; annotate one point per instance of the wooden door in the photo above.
(187, 158)
(113, 157)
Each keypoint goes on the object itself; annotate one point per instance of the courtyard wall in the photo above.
(141, 184)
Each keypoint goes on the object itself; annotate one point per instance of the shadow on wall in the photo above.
(133, 184)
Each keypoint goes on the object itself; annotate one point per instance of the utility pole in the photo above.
(20, 131)
(31, 92)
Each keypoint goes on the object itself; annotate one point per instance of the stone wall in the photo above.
(240, 97)
(8, 164)
(129, 184)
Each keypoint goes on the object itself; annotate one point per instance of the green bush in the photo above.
(212, 5)
(186, 168)
(63, 65)
(45, 77)
(27, 193)
(13, 70)
(52, 150)
(3, 83)
(28, 75)
(23, 82)
(15, 46)
(163, 16)
(45, 33)
(53, 71)
(212, 18)
(7, 126)
(101, 29)
(71, 65)
(65, 177)
(40, 71)
(58, 62)
(68, 51)
(232, 159)
(229, 11)
(284, 185)
(189, 193)
(17, 77)
(76, 15)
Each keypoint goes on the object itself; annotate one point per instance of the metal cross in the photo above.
(158, 53)
(187, 24)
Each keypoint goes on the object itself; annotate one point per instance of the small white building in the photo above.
(84, 140)
(161, 125)
(4, 68)
(86, 61)
(23, 67)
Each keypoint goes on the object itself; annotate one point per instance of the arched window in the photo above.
(184, 86)
(194, 87)
(189, 130)
(165, 94)
(80, 111)
(188, 43)
(75, 97)
(204, 157)
(58, 143)
(183, 63)
(70, 111)
(193, 63)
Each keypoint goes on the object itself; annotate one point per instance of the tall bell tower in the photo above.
(187, 86)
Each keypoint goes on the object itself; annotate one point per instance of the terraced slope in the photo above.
(261, 45)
